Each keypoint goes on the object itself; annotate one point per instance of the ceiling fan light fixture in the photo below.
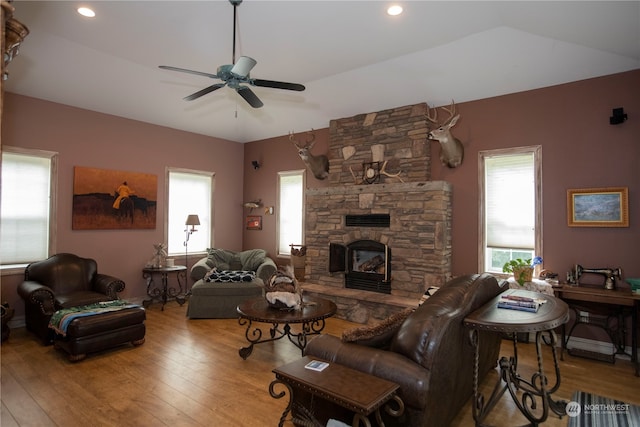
(87, 12)
(394, 10)
(243, 66)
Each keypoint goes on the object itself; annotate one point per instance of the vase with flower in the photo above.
(522, 269)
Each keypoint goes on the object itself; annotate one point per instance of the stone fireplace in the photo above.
(363, 224)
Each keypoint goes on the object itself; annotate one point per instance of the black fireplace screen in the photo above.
(366, 264)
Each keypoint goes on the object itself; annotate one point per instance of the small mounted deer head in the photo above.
(451, 149)
(318, 165)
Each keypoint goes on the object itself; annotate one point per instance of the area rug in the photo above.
(590, 410)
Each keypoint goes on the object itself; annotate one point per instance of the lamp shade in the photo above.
(192, 220)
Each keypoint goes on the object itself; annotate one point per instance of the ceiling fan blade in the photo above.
(249, 96)
(278, 85)
(184, 70)
(243, 66)
(204, 91)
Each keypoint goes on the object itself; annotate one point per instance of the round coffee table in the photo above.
(311, 316)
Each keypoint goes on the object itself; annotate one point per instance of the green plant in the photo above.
(521, 268)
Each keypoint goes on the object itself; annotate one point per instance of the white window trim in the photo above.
(211, 175)
(482, 238)
(53, 203)
(304, 187)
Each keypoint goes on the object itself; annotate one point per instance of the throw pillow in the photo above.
(226, 276)
(235, 263)
(379, 334)
(223, 259)
(252, 258)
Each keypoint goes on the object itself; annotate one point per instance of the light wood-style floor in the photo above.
(188, 373)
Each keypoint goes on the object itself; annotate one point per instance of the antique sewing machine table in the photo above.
(602, 305)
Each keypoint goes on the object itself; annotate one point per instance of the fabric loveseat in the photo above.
(427, 352)
(223, 279)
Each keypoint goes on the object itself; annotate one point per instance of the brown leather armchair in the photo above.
(429, 354)
(62, 281)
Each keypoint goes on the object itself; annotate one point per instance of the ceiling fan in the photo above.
(236, 75)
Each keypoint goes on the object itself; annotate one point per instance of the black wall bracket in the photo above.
(618, 116)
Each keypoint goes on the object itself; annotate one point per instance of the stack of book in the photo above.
(515, 302)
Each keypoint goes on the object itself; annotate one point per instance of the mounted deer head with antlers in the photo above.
(318, 165)
(451, 149)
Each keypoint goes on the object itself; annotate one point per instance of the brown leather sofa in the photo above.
(429, 353)
(62, 281)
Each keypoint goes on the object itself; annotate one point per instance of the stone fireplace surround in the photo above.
(419, 233)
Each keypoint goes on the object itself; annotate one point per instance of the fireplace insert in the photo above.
(366, 265)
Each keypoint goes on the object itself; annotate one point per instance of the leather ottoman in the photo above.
(102, 331)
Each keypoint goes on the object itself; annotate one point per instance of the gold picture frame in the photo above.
(598, 207)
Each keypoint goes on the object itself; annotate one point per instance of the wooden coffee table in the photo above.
(311, 316)
(317, 395)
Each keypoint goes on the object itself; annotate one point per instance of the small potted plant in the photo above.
(522, 269)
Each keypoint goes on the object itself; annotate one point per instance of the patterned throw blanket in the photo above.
(62, 318)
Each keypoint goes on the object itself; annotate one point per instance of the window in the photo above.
(510, 206)
(290, 210)
(28, 206)
(189, 192)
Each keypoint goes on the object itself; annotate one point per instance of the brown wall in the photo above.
(580, 150)
(86, 138)
(275, 155)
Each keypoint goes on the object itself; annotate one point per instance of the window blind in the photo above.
(26, 187)
(510, 201)
(189, 193)
(290, 210)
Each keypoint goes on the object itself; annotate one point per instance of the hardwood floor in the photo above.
(188, 373)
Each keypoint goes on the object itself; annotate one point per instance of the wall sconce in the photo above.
(255, 164)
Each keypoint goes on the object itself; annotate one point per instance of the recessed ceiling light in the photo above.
(394, 10)
(85, 11)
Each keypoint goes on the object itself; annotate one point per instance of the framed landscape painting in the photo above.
(107, 199)
(598, 207)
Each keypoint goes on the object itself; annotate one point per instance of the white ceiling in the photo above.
(350, 55)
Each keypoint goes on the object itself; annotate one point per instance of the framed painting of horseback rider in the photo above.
(107, 199)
